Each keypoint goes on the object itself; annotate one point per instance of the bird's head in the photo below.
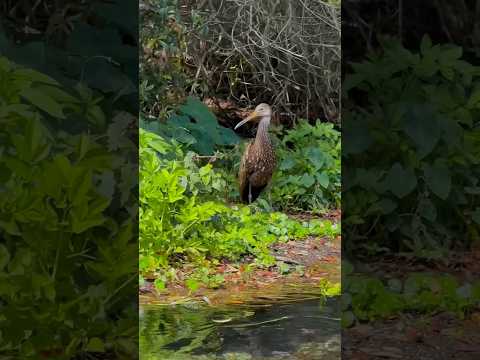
(261, 111)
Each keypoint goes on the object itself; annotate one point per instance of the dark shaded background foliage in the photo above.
(94, 41)
(68, 230)
(388, 36)
(410, 169)
(444, 21)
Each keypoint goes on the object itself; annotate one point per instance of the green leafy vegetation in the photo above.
(189, 220)
(193, 233)
(195, 126)
(328, 288)
(371, 299)
(308, 175)
(73, 190)
(66, 46)
(164, 78)
(415, 150)
(367, 297)
(182, 216)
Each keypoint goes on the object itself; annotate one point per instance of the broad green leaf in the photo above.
(35, 76)
(18, 167)
(199, 111)
(64, 168)
(356, 136)
(451, 54)
(307, 180)
(81, 185)
(95, 345)
(96, 115)
(79, 225)
(400, 181)
(202, 124)
(98, 205)
(287, 163)
(60, 95)
(422, 127)
(37, 97)
(323, 179)
(316, 157)
(226, 136)
(23, 110)
(438, 179)
(36, 141)
(83, 146)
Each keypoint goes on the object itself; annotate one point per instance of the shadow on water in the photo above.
(308, 330)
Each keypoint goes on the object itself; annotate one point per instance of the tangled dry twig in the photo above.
(284, 52)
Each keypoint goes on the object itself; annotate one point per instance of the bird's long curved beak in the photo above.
(252, 116)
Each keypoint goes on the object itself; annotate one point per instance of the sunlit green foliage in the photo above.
(328, 288)
(183, 216)
(308, 175)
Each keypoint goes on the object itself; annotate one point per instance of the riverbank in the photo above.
(309, 266)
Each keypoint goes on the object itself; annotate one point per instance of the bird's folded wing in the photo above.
(245, 171)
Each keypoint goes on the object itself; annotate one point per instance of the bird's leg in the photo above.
(270, 198)
(249, 192)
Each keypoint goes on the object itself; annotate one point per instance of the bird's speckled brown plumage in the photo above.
(258, 161)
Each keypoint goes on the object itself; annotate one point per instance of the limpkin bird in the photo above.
(258, 161)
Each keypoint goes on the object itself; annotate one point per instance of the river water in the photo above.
(306, 329)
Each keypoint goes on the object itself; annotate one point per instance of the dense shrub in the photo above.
(308, 173)
(422, 117)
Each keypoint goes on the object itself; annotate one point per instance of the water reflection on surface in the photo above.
(308, 329)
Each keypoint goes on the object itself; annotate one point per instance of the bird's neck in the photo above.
(262, 137)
